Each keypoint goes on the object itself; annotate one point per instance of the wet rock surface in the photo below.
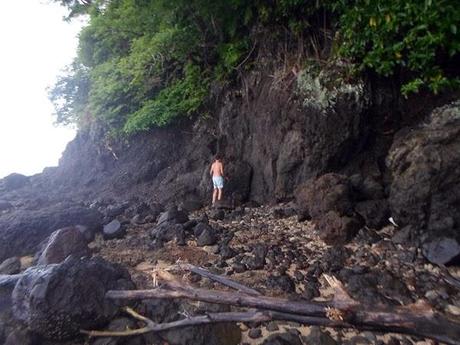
(56, 301)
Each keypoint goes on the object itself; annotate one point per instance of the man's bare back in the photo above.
(217, 169)
(217, 174)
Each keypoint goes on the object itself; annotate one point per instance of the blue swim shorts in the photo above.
(218, 182)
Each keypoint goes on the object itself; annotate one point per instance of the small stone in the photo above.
(238, 267)
(298, 276)
(452, 309)
(318, 337)
(214, 249)
(217, 214)
(113, 230)
(431, 295)
(272, 327)
(255, 333)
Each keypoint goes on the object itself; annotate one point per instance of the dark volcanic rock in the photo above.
(238, 186)
(224, 204)
(56, 301)
(318, 337)
(442, 250)
(216, 214)
(374, 212)
(376, 287)
(336, 230)
(329, 192)
(328, 200)
(15, 181)
(38, 225)
(88, 233)
(10, 266)
(115, 210)
(113, 230)
(286, 338)
(191, 204)
(205, 235)
(425, 166)
(226, 252)
(255, 333)
(61, 244)
(174, 216)
(283, 212)
(7, 284)
(166, 232)
(283, 283)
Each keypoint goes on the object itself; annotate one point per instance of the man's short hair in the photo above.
(218, 157)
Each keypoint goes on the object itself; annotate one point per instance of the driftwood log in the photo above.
(342, 311)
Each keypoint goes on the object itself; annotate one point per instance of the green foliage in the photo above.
(416, 37)
(144, 63)
(70, 95)
(183, 97)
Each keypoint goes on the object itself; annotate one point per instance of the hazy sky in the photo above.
(36, 44)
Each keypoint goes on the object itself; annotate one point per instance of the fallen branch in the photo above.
(416, 319)
(192, 321)
(224, 281)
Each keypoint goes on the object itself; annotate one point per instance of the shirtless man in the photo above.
(217, 173)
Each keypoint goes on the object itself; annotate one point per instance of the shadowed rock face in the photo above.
(425, 166)
(56, 301)
(22, 231)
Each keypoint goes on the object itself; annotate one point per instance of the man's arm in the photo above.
(222, 169)
(210, 171)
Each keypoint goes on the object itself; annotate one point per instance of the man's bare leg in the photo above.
(214, 195)
(219, 195)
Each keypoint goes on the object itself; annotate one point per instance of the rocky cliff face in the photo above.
(350, 156)
(271, 137)
(275, 133)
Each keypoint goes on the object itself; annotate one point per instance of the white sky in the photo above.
(35, 46)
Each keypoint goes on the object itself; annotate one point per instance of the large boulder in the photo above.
(62, 243)
(328, 201)
(329, 192)
(335, 229)
(425, 167)
(22, 231)
(173, 216)
(57, 301)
